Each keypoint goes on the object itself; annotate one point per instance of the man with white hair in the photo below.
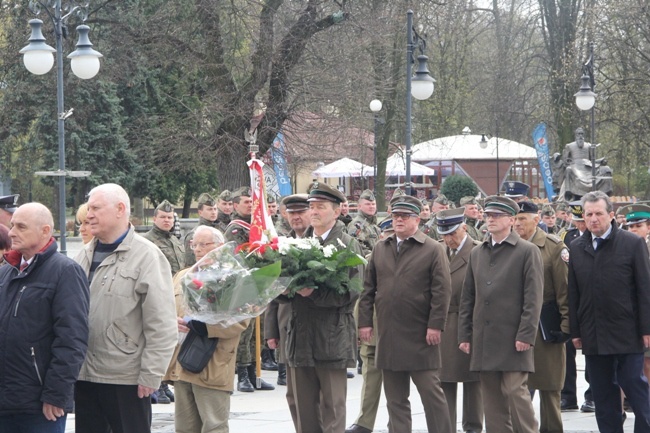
(132, 320)
(43, 326)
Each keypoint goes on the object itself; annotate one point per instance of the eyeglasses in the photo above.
(201, 245)
(494, 215)
(403, 216)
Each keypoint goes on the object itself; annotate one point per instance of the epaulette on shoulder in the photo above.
(554, 238)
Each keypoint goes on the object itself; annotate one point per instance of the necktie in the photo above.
(23, 266)
(399, 244)
(452, 254)
(599, 242)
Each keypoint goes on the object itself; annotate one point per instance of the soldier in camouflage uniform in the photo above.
(439, 203)
(282, 226)
(550, 219)
(238, 231)
(471, 217)
(162, 235)
(224, 205)
(563, 216)
(272, 206)
(208, 212)
(345, 217)
(364, 226)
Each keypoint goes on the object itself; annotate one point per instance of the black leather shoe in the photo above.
(354, 428)
(350, 375)
(588, 406)
(566, 406)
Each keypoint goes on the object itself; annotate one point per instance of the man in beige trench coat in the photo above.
(499, 314)
(407, 281)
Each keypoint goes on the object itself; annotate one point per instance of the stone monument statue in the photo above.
(572, 171)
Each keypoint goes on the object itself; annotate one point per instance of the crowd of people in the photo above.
(496, 294)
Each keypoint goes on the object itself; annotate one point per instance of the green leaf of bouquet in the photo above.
(265, 276)
(313, 264)
(355, 260)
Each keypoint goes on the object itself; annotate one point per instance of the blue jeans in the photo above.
(31, 423)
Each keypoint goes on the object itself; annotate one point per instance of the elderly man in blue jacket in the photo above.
(43, 326)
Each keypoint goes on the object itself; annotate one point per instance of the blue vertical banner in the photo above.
(280, 165)
(541, 146)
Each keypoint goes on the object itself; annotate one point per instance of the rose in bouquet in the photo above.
(309, 264)
(221, 289)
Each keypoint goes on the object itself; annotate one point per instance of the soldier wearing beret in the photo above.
(471, 217)
(455, 363)
(207, 208)
(225, 207)
(8, 205)
(321, 336)
(407, 283)
(240, 220)
(499, 314)
(364, 226)
(272, 207)
(439, 203)
(549, 218)
(549, 353)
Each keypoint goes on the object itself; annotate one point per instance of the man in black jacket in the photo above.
(609, 312)
(43, 326)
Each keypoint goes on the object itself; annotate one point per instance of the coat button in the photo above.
(489, 283)
(487, 302)
(487, 322)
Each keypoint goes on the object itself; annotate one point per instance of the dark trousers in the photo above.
(569, 391)
(103, 407)
(31, 423)
(608, 372)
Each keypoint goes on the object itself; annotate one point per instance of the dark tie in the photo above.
(23, 266)
(320, 240)
(452, 254)
(399, 244)
(599, 242)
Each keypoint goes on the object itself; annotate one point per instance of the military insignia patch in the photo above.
(235, 231)
(565, 255)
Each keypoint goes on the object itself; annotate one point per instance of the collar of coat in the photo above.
(586, 236)
(539, 237)
(14, 257)
(161, 232)
(511, 239)
(371, 219)
(419, 237)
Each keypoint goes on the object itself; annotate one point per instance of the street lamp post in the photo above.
(37, 58)
(375, 107)
(419, 86)
(483, 143)
(586, 100)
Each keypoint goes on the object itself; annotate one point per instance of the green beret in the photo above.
(207, 200)
(165, 206)
(442, 199)
(319, 191)
(406, 203)
(501, 204)
(562, 206)
(244, 191)
(468, 200)
(225, 195)
(547, 210)
(367, 195)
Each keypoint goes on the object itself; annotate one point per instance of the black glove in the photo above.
(198, 327)
(560, 337)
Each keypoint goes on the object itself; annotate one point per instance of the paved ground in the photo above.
(267, 411)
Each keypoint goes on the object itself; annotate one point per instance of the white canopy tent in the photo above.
(344, 167)
(396, 166)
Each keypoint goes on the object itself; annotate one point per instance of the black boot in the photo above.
(168, 392)
(282, 374)
(264, 385)
(243, 382)
(162, 397)
(268, 360)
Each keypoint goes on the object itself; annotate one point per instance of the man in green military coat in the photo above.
(471, 217)
(550, 356)
(163, 237)
(364, 226)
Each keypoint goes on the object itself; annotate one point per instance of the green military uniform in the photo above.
(170, 246)
(222, 222)
(472, 223)
(547, 210)
(204, 199)
(364, 227)
(282, 227)
(238, 229)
